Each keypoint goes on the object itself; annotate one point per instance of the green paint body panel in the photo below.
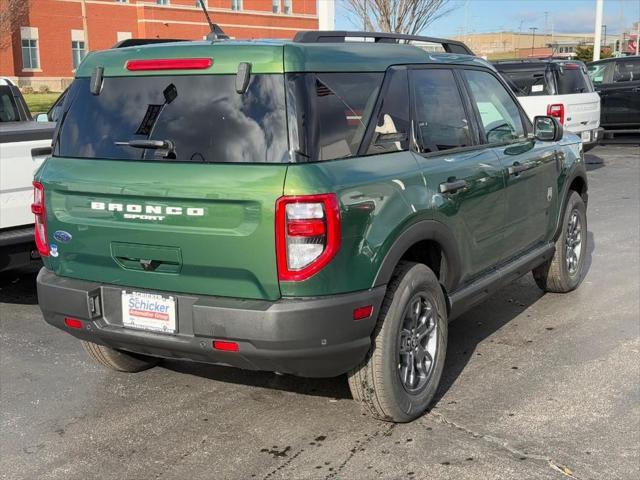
(228, 251)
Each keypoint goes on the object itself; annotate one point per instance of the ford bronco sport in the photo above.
(312, 207)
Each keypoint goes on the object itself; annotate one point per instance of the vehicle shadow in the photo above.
(593, 161)
(465, 333)
(482, 321)
(19, 286)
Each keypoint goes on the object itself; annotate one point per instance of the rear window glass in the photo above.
(627, 71)
(332, 111)
(8, 109)
(190, 118)
(528, 82)
(572, 78)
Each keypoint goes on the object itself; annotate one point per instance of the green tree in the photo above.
(585, 53)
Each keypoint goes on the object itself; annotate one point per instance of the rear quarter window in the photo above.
(8, 108)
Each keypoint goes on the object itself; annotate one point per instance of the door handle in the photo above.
(516, 169)
(452, 187)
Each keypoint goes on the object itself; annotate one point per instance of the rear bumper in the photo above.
(310, 337)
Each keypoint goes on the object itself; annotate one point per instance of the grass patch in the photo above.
(40, 102)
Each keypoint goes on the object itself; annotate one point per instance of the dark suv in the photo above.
(617, 80)
(313, 207)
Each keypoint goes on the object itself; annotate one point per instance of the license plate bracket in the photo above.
(149, 311)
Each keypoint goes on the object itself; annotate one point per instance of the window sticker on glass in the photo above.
(537, 88)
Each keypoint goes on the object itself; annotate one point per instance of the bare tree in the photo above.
(398, 16)
(12, 13)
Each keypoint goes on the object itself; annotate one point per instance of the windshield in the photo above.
(189, 118)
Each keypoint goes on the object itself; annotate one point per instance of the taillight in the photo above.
(556, 110)
(307, 234)
(169, 64)
(38, 209)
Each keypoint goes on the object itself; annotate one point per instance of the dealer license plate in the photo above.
(149, 311)
(586, 136)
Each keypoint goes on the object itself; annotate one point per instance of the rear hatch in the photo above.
(168, 180)
(581, 102)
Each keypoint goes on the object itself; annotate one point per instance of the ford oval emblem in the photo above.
(62, 236)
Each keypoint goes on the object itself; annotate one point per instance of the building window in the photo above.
(236, 4)
(77, 52)
(162, 2)
(29, 44)
(198, 4)
(287, 7)
(30, 54)
(120, 36)
(275, 6)
(121, 1)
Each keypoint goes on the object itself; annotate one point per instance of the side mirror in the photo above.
(42, 117)
(547, 129)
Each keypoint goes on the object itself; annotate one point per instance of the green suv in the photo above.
(313, 207)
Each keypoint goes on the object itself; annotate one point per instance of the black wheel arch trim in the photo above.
(417, 232)
(580, 173)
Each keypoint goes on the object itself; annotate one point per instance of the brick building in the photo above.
(48, 38)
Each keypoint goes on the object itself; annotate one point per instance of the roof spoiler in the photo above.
(339, 36)
(135, 42)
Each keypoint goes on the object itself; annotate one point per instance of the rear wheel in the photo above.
(400, 375)
(119, 360)
(563, 272)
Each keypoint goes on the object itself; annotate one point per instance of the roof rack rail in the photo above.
(135, 42)
(326, 36)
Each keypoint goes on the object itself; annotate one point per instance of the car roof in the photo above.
(273, 56)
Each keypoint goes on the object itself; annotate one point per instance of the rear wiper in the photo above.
(166, 148)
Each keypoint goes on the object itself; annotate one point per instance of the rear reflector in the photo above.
(169, 64)
(72, 322)
(362, 312)
(226, 346)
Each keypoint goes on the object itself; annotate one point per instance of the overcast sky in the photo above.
(566, 16)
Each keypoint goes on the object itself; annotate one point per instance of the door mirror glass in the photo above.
(42, 117)
(547, 129)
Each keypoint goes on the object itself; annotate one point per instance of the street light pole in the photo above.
(85, 27)
(597, 33)
(533, 38)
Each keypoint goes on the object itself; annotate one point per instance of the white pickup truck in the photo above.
(24, 144)
(558, 88)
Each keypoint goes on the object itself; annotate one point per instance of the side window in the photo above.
(8, 110)
(392, 127)
(597, 73)
(441, 121)
(498, 111)
(626, 71)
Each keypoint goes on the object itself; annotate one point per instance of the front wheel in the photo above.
(563, 272)
(400, 375)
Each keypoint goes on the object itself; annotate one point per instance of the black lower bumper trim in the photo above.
(309, 337)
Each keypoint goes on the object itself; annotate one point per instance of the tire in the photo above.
(118, 360)
(559, 275)
(376, 383)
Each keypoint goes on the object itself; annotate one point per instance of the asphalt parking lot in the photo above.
(535, 387)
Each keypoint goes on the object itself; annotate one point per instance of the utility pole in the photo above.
(605, 36)
(533, 38)
(546, 23)
(519, 35)
(85, 28)
(597, 32)
(637, 37)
